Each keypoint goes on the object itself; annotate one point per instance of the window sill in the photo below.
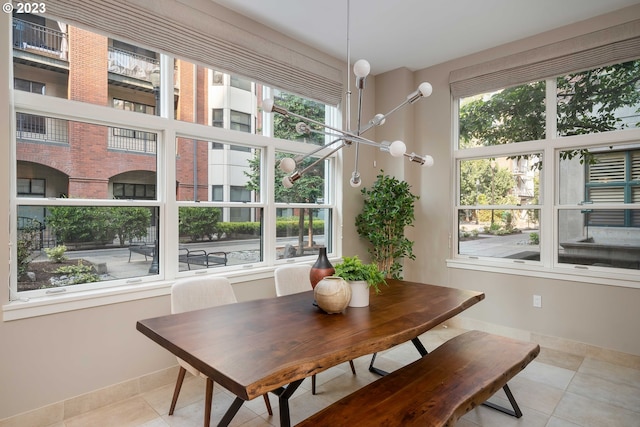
(58, 303)
(568, 272)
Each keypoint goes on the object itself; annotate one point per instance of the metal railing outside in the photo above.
(38, 39)
(41, 129)
(131, 64)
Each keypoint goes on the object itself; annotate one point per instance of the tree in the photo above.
(310, 187)
(388, 209)
(480, 181)
(588, 102)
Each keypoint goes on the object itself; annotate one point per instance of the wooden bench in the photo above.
(437, 389)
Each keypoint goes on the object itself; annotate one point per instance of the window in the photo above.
(240, 121)
(240, 83)
(508, 149)
(28, 86)
(92, 177)
(121, 104)
(217, 117)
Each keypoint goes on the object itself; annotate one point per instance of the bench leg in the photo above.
(516, 412)
(416, 343)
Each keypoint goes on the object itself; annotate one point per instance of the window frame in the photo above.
(37, 303)
(549, 202)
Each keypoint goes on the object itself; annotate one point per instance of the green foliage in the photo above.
(81, 224)
(79, 273)
(98, 224)
(353, 269)
(56, 254)
(587, 103)
(388, 208)
(284, 226)
(198, 223)
(479, 180)
(534, 238)
(25, 245)
(130, 223)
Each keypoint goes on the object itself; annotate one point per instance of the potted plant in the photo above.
(388, 209)
(361, 277)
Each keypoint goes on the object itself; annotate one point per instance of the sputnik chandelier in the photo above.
(348, 138)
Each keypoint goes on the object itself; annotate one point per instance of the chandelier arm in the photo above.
(303, 171)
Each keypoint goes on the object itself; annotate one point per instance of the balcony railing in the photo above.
(131, 64)
(39, 39)
(132, 141)
(41, 129)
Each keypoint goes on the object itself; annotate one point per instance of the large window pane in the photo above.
(599, 100)
(500, 181)
(301, 231)
(582, 241)
(500, 233)
(284, 127)
(96, 244)
(93, 157)
(509, 115)
(309, 188)
(207, 240)
(216, 172)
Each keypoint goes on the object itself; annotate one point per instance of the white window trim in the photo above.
(547, 267)
(35, 303)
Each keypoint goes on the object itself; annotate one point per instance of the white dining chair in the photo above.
(195, 293)
(293, 279)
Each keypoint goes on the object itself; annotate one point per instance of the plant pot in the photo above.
(359, 294)
(332, 294)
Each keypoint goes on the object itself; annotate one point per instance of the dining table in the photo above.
(271, 345)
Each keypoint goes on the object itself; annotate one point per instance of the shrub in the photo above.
(199, 223)
(56, 254)
(534, 238)
(79, 273)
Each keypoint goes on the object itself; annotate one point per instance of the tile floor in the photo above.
(556, 390)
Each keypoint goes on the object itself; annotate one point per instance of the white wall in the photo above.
(605, 316)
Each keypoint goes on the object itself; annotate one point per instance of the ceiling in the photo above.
(416, 33)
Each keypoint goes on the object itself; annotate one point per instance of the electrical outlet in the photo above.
(537, 301)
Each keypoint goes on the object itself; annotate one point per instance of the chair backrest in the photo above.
(292, 279)
(195, 293)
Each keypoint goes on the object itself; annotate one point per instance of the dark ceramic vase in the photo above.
(321, 269)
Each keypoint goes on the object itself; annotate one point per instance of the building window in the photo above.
(134, 191)
(240, 121)
(31, 187)
(217, 193)
(28, 123)
(217, 117)
(28, 86)
(122, 104)
(593, 210)
(240, 83)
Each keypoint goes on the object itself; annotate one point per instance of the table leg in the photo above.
(417, 344)
(284, 393)
(231, 412)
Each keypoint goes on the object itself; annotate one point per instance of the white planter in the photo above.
(359, 294)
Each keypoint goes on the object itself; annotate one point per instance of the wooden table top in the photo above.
(256, 346)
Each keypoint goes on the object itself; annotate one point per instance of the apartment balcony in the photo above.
(40, 46)
(39, 129)
(132, 70)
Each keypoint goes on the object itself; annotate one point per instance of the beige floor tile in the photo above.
(488, 417)
(611, 371)
(128, 413)
(587, 412)
(558, 422)
(193, 390)
(547, 374)
(603, 390)
(100, 398)
(531, 394)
